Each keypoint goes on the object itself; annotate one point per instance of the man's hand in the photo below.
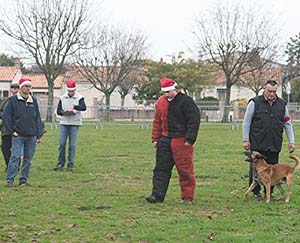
(154, 143)
(291, 147)
(39, 140)
(187, 144)
(246, 145)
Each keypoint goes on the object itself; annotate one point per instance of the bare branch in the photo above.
(113, 54)
(233, 38)
(50, 31)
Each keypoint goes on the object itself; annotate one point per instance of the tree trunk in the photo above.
(50, 108)
(226, 105)
(107, 106)
(122, 101)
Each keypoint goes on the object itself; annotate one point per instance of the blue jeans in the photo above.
(66, 131)
(18, 142)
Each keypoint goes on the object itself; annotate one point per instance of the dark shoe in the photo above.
(23, 183)
(9, 184)
(257, 196)
(187, 202)
(153, 199)
(58, 167)
(70, 168)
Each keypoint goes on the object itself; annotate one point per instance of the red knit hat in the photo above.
(167, 84)
(71, 85)
(24, 81)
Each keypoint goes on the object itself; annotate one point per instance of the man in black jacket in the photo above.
(265, 118)
(175, 129)
(22, 119)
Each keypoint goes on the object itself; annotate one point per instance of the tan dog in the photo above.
(271, 175)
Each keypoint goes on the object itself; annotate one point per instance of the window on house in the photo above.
(5, 93)
(221, 93)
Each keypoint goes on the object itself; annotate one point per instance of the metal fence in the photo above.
(99, 115)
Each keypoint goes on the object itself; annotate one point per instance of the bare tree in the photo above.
(50, 31)
(232, 37)
(134, 78)
(256, 79)
(114, 54)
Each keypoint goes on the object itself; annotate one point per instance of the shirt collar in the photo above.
(20, 97)
(270, 100)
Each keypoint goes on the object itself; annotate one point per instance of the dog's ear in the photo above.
(260, 156)
(248, 154)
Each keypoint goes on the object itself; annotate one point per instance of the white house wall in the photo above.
(93, 96)
(237, 92)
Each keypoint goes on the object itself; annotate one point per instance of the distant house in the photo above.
(8, 75)
(40, 90)
(91, 94)
(240, 89)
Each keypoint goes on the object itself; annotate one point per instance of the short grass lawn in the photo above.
(103, 199)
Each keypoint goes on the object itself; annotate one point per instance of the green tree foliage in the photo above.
(10, 61)
(7, 61)
(295, 89)
(190, 75)
(293, 53)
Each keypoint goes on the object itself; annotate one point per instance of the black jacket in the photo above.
(267, 124)
(23, 116)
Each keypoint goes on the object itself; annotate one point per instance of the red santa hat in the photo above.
(71, 85)
(167, 84)
(24, 81)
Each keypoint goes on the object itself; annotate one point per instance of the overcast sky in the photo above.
(168, 23)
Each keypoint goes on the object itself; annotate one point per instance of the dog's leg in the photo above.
(289, 181)
(268, 191)
(251, 187)
(280, 190)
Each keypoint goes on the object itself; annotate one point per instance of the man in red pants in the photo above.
(175, 128)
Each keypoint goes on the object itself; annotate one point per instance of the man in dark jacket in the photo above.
(22, 119)
(175, 128)
(265, 118)
(5, 135)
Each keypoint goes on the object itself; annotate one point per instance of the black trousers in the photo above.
(163, 168)
(6, 148)
(272, 158)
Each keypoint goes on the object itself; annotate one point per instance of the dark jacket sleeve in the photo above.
(2, 104)
(59, 110)
(39, 123)
(192, 115)
(81, 106)
(7, 116)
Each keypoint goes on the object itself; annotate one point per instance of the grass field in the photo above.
(103, 199)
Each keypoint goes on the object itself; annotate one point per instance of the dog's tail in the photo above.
(297, 165)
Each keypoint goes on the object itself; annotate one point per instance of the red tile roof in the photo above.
(39, 81)
(8, 73)
(267, 73)
(73, 72)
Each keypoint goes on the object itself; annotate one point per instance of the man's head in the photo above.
(270, 89)
(14, 88)
(168, 86)
(25, 86)
(71, 87)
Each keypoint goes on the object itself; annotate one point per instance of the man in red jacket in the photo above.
(175, 128)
